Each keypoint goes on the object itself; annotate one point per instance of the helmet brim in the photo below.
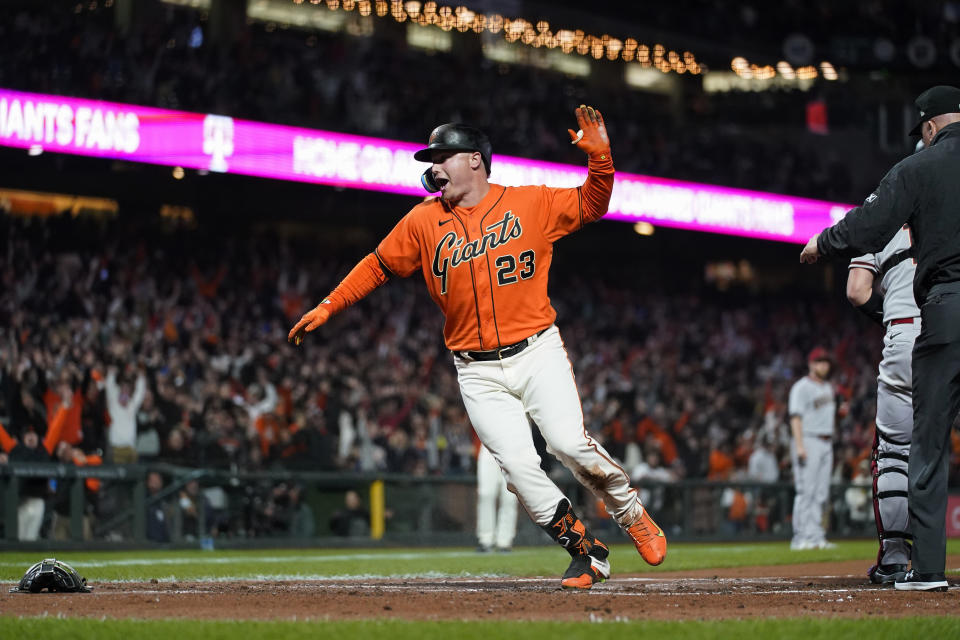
(426, 155)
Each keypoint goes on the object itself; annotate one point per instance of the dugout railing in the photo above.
(109, 507)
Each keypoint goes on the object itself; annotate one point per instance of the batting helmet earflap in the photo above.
(53, 575)
(457, 137)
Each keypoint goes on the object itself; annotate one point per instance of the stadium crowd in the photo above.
(120, 343)
(380, 86)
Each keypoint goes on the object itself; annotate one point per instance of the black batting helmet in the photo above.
(53, 575)
(457, 137)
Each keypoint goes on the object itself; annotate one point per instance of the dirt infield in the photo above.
(826, 589)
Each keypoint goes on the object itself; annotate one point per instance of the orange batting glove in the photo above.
(310, 321)
(592, 137)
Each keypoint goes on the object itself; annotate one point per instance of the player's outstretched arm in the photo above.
(593, 140)
(362, 279)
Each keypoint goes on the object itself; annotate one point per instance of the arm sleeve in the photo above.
(111, 389)
(139, 392)
(362, 279)
(567, 210)
(869, 227)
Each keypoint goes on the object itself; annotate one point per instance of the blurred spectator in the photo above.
(123, 407)
(34, 491)
(353, 520)
(190, 500)
(652, 469)
(763, 465)
(157, 528)
(302, 521)
(69, 455)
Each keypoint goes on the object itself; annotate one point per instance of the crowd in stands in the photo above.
(122, 343)
(379, 86)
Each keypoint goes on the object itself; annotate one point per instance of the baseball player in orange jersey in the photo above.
(485, 251)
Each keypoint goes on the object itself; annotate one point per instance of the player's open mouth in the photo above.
(441, 182)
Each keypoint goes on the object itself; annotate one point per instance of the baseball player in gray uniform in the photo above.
(812, 409)
(893, 304)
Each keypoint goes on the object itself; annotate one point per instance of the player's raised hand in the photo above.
(592, 137)
(810, 252)
(310, 321)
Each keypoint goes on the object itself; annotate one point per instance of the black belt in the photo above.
(502, 352)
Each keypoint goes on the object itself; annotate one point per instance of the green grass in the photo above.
(443, 562)
(533, 561)
(792, 629)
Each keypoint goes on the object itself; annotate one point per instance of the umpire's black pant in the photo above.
(936, 401)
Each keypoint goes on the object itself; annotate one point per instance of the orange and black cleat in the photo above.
(585, 571)
(588, 564)
(648, 537)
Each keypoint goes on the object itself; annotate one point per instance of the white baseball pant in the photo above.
(539, 381)
(30, 518)
(495, 527)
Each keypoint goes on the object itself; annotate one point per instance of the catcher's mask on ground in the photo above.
(54, 576)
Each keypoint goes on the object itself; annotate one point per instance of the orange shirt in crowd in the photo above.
(648, 427)
(72, 427)
(49, 441)
(721, 465)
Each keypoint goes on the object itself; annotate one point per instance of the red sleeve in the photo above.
(6, 441)
(362, 279)
(53, 431)
(569, 209)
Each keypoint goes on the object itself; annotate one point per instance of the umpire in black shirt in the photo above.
(922, 191)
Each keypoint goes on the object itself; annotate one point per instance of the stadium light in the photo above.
(535, 35)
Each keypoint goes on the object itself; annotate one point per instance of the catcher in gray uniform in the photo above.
(891, 304)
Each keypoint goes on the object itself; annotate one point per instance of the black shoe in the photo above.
(915, 581)
(482, 548)
(887, 573)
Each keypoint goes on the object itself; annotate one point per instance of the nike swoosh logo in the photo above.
(443, 222)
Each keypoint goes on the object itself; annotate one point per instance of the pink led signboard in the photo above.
(223, 144)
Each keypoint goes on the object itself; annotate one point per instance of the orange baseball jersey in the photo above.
(485, 266)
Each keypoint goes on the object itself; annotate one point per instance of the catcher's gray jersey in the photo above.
(896, 277)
